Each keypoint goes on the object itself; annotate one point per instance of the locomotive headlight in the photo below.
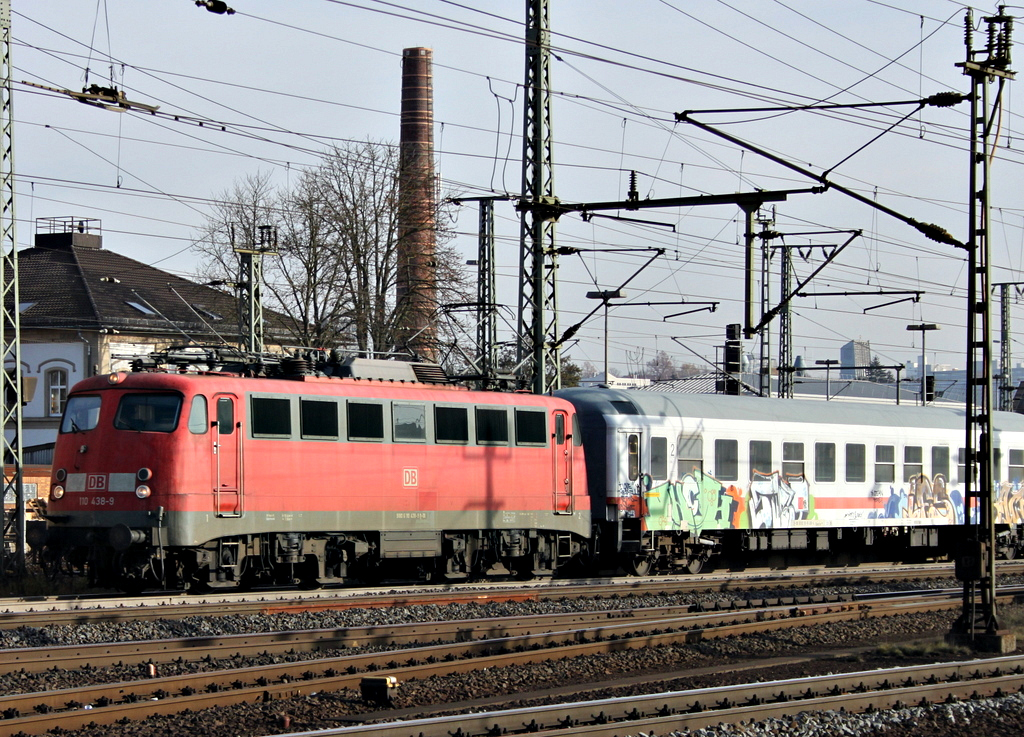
(57, 492)
(142, 491)
(61, 475)
(116, 377)
(144, 474)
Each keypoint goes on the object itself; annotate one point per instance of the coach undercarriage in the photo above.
(642, 553)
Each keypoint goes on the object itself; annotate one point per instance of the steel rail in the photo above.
(41, 611)
(678, 710)
(138, 699)
(35, 659)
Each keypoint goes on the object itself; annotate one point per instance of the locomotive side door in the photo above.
(561, 449)
(227, 457)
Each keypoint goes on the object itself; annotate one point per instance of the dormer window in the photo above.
(208, 314)
(140, 307)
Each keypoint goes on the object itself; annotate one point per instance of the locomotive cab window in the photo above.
(148, 412)
(318, 419)
(81, 413)
(531, 427)
(365, 421)
(271, 417)
(198, 416)
(885, 464)
(409, 422)
(491, 426)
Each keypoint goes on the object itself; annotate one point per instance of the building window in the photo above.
(56, 390)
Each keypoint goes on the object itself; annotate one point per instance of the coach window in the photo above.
(451, 424)
(531, 427)
(365, 421)
(940, 461)
(825, 462)
(856, 463)
(659, 458)
(885, 464)
(198, 419)
(727, 460)
(760, 457)
(913, 461)
(961, 466)
(792, 459)
(318, 419)
(491, 426)
(57, 390)
(1016, 470)
(689, 455)
(409, 422)
(271, 417)
(633, 456)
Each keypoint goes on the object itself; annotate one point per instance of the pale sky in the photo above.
(284, 80)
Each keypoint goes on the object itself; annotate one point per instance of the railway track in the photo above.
(662, 713)
(462, 647)
(40, 611)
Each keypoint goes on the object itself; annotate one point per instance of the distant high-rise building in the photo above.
(855, 353)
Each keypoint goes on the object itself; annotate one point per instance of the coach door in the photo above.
(227, 457)
(628, 478)
(562, 449)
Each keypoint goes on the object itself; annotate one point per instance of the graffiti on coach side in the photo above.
(935, 498)
(699, 501)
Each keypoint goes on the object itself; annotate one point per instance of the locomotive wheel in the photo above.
(638, 565)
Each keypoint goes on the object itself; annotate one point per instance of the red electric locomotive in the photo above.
(216, 479)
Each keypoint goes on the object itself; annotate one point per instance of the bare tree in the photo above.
(335, 270)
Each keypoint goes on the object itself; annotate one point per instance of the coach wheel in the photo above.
(697, 564)
(638, 565)
(1009, 552)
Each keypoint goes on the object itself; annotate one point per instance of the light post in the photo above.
(923, 328)
(605, 295)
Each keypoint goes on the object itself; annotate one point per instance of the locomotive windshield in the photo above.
(148, 412)
(82, 413)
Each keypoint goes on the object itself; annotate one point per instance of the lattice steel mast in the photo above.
(538, 313)
(10, 324)
(977, 623)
